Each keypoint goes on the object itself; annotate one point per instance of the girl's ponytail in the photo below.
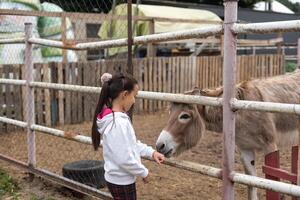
(112, 86)
(103, 100)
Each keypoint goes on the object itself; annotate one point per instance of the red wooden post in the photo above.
(294, 167)
(272, 160)
(273, 171)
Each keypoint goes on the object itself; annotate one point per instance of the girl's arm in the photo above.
(149, 152)
(145, 150)
(121, 150)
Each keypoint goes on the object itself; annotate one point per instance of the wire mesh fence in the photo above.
(71, 159)
(67, 21)
(70, 22)
(155, 74)
(53, 107)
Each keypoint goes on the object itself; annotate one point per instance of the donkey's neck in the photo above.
(213, 119)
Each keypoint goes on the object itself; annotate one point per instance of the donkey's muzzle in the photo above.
(160, 147)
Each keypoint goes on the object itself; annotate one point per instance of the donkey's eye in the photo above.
(185, 116)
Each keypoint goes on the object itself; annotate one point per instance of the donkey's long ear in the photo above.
(240, 93)
(212, 92)
(240, 90)
(195, 91)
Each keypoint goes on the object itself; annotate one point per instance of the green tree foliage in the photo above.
(248, 3)
(242, 3)
(105, 5)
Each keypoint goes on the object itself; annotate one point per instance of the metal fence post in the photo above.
(129, 47)
(229, 77)
(130, 37)
(29, 96)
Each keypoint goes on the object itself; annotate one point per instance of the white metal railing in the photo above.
(176, 35)
(185, 165)
(12, 40)
(180, 98)
(267, 27)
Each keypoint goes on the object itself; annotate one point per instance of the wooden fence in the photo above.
(163, 74)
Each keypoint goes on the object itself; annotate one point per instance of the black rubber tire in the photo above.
(88, 172)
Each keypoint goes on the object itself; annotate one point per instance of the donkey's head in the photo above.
(186, 124)
(183, 130)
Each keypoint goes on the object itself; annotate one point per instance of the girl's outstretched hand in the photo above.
(158, 157)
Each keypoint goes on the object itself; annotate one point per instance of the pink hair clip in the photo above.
(105, 77)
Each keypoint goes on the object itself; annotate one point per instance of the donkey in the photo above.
(255, 131)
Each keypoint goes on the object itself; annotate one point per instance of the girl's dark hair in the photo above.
(110, 90)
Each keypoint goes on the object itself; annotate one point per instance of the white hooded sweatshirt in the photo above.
(121, 150)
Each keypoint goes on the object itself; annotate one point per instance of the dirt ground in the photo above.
(165, 182)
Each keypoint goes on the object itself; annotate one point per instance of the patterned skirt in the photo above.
(122, 192)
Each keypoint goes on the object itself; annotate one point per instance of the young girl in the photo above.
(121, 150)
